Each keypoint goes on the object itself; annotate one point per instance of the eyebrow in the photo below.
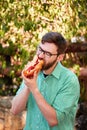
(45, 51)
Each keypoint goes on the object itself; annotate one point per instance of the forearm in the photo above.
(48, 111)
(19, 101)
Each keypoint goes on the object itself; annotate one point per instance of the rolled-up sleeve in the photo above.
(66, 99)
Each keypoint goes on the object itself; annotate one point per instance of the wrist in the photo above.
(34, 91)
(27, 88)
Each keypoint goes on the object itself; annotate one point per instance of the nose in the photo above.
(41, 55)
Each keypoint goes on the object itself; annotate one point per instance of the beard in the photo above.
(49, 65)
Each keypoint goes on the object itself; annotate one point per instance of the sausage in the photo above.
(35, 65)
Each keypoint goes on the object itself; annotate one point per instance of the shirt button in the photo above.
(37, 127)
(38, 116)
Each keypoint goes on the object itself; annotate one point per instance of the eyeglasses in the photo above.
(40, 50)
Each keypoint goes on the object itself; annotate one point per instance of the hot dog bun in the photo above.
(35, 66)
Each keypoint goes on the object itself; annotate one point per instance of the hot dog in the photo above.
(35, 65)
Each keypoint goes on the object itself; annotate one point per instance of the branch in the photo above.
(77, 47)
(9, 51)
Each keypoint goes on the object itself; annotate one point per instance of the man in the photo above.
(51, 96)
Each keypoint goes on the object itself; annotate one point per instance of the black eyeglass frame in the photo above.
(40, 50)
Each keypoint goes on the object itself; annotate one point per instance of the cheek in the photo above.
(46, 61)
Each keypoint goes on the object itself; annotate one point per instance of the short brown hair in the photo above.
(57, 39)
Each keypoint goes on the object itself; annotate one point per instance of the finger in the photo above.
(25, 78)
(36, 73)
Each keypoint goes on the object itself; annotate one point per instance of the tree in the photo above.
(22, 24)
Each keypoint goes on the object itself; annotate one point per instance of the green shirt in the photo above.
(61, 90)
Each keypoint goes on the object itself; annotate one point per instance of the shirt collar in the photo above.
(56, 72)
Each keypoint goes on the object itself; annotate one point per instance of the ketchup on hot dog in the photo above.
(36, 66)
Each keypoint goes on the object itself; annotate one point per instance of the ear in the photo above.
(60, 57)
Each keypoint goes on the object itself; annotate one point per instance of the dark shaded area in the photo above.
(81, 118)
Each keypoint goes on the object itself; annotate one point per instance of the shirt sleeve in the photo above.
(66, 100)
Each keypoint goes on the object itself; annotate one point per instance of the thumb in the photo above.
(36, 74)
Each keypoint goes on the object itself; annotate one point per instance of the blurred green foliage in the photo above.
(22, 24)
